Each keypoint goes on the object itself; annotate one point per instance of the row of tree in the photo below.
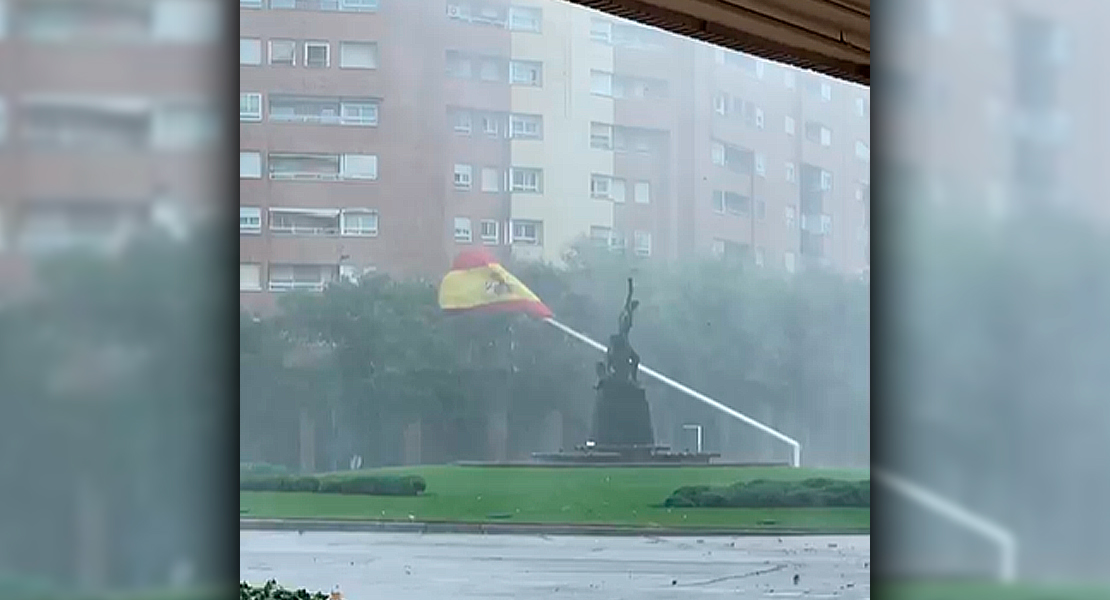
(365, 361)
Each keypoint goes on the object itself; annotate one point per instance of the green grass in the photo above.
(596, 496)
(961, 590)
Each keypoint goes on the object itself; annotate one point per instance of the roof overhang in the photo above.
(828, 36)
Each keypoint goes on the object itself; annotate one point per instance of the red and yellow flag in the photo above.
(478, 283)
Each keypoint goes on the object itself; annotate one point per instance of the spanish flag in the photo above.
(478, 283)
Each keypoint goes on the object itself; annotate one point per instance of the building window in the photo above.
(601, 83)
(641, 243)
(791, 173)
(718, 153)
(491, 178)
(317, 55)
(601, 30)
(250, 106)
(250, 51)
(526, 127)
(599, 187)
(523, 72)
(826, 181)
(359, 112)
(601, 236)
(458, 66)
(250, 165)
(863, 108)
(310, 109)
(301, 277)
(326, 5)
(601, 136)
(359, 166)
(250, 277)
(491, 125)
(863, 151)
(642, 192)
(760, 164)
(790, 218)
(527, 233)
(358, 5)
(358, 55)
(525, 180)
(304, 221)
(490, 231)
(788, 124)
(759, 256)
(250, 219)
(463, 177)
(818, 133)
(304, 166)
(283, 53)
(462, 229)
(250, 3)
(730, 202)
(358, 221)
(525, 18)
(717, 247)
(826, 92)
(789, 261)
(720, 103)
(461, 122)
(789, 79)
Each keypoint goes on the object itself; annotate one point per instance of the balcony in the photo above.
(323, 110)
(307, 278)
(325, 5)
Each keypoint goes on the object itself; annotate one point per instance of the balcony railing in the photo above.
(287, 285)
(326, 5)
(304, 230)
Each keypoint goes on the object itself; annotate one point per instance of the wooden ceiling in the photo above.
(828, 36)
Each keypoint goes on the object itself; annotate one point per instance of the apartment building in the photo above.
(106, 121)
(1003, 103)
(527, 127)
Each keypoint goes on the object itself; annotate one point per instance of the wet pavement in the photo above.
(450, 566)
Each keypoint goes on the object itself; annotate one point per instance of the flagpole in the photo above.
(796, 459)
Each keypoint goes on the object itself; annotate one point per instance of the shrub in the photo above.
(279, 483)
(367, 484)
(273, 591)
(762, 493)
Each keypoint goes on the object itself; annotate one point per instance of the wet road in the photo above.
(434, 567)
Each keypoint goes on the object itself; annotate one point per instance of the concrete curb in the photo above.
(252, 524)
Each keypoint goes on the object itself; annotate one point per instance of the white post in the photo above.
(1004, 539)
(797, 448)
(697, 433)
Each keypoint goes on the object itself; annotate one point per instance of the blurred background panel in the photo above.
(109, 169)
(992, 241)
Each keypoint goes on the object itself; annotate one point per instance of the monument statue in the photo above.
(621, 360)
(622, 416)
(622, 431)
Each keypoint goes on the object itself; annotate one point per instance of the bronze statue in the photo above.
(621, 361)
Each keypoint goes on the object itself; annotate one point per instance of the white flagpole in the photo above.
(796, 459)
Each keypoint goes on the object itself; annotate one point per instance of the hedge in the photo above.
(273, 591)
(763, 493)
(373, 485)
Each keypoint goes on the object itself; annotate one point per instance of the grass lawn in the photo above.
(960, 590)
(601, 496)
